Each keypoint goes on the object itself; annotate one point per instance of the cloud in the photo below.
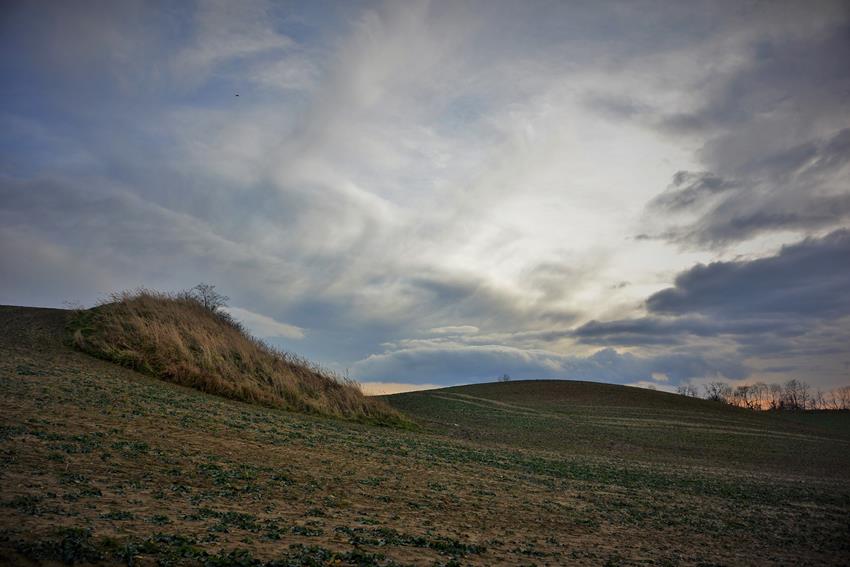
(224, 32)
(88, 41)
(457, 363)
(689, 189)
(790, 305)
(29, 264)
(616, 106)
(803, 188)
(805, 280)
(774, 159)
(454, 330)
(669, 331)
(455, 185)
(264, 326)
(296, 71)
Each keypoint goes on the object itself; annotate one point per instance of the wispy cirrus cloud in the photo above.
(263, 326)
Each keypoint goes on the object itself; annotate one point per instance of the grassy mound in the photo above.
(176, 338)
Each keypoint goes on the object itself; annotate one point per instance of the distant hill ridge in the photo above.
(176, 338)
(591, 418)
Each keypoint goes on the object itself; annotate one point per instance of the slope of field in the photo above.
(634, 424)
(101, 464)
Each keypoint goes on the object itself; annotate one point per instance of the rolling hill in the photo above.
(636, 424)
(102, 464)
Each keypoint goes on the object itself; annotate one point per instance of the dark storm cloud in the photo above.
(807, 280)
(809, 160)
(792, 304)
(782, 70)
(776, 144)
(804, 187)
(655, 330)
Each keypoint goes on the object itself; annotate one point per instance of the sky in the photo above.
(421, 194)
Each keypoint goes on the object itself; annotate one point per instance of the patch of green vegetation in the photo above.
(25, 370)
(70, 546)
(119, 515)
(131, 448)
(73, 546)
(309, 556)
(26, 503)
(380, 537)
(307, 530)
(159, 520)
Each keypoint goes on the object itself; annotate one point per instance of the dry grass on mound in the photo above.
(176, 338)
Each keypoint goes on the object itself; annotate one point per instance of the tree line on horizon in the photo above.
(793, 395)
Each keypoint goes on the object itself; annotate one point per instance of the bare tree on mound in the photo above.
(206, 295)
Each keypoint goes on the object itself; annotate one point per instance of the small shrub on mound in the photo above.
(177, 338)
